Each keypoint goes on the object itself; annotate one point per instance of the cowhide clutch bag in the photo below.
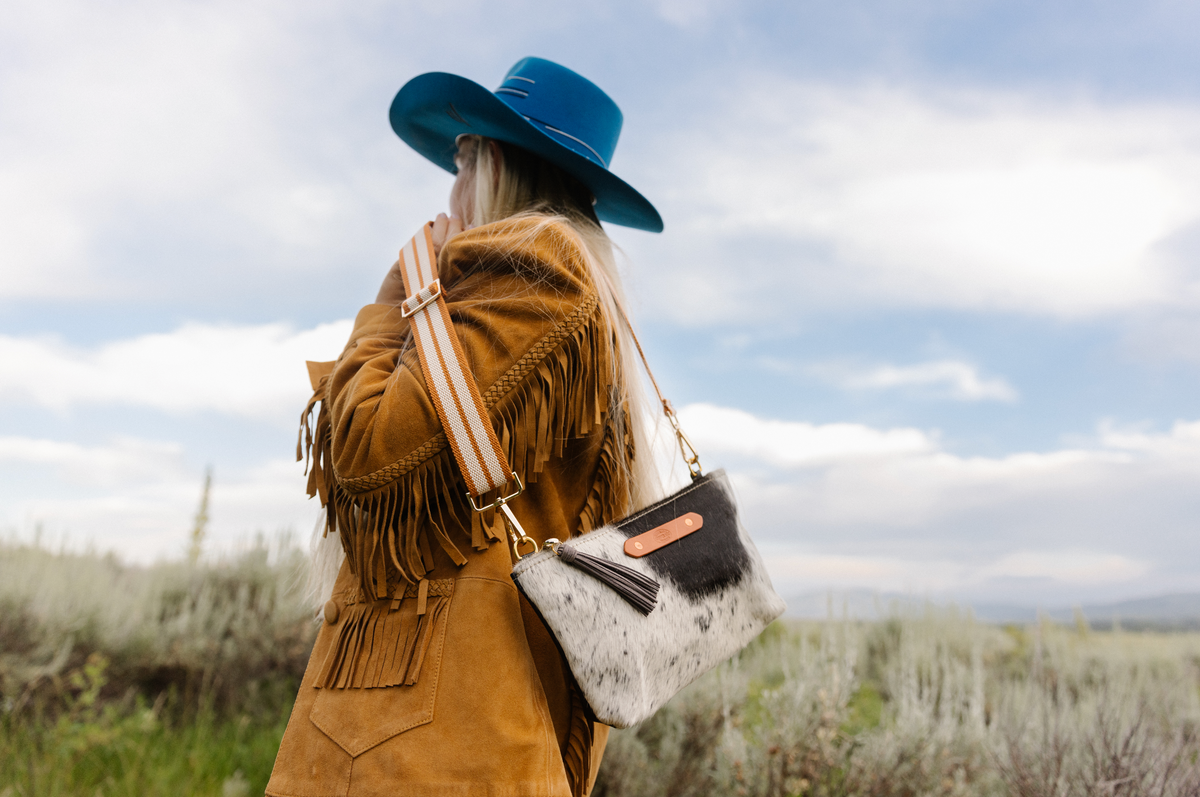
(713, 598)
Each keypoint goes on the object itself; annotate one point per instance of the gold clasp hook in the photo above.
(516, 535)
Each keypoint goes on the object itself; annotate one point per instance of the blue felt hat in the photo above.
(542, 107)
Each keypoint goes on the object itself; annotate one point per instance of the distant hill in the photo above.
(1176, 611)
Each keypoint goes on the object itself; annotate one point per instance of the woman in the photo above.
(430, 674)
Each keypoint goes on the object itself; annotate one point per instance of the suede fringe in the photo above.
(609, 497)
(577, 758)
(560, 389)
(377, 645)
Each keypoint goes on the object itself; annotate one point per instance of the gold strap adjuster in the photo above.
(435, 294)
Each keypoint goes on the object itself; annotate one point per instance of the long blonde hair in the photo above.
(521, 184)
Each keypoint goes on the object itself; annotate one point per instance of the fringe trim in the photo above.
(577, 758)
(377, 645)
(610, 494)
(586, 314)
(558, 390)
(314, 447)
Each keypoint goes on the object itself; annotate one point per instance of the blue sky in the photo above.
(927, 288)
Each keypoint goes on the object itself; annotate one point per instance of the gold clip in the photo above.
(516, 535)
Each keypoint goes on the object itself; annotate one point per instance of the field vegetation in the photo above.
(934, 704)
(177, 679)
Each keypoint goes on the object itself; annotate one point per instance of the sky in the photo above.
(928, 287)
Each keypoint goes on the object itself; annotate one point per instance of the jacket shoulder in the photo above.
(524, 310)
(534, 247)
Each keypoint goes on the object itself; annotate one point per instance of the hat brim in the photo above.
(432, 110)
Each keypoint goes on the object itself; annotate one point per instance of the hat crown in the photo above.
(566, 106)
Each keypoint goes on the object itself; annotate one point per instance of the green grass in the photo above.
(85, 746)
(174, 679)
(864, 712)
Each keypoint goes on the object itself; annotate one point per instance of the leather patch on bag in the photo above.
(667, 533)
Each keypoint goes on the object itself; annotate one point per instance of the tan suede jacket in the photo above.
(431, 675)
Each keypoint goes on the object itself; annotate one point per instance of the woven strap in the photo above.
(453, 388)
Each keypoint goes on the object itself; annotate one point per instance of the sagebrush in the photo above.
(178, 678)
(212, 633)
(927, 704)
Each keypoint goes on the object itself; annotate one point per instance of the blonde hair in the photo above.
(521, 184)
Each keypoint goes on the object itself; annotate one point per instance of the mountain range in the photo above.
(1174, 611)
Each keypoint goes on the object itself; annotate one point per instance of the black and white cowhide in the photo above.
(715, 597)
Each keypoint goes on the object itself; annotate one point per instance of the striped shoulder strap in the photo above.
(455, 394)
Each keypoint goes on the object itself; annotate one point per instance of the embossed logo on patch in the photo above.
(667, 533)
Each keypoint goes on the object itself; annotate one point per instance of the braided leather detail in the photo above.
(501, 387)
(438, 588)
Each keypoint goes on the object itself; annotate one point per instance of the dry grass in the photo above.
(212, 633)
(177, 679)
(927, 705)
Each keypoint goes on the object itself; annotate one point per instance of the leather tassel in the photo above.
(640, 591)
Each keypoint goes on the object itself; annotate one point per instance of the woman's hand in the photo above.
(444, 229)
(392, 291)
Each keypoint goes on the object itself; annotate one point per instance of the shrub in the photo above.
(219, 634)
(930, 704)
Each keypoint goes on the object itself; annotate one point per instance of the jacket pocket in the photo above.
(380, 677)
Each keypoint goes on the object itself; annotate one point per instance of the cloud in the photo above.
(235, 151)
(831, 505)
(1181, 445)
(933, 497)
(139, 497)
(944, 378)
(919, 197)
(229, 148)
(806, 572)
(791, 444)
(686, 13)
(1062, 568)
(254, 371)
(846, 505)
(151, 149)
(105, 466)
